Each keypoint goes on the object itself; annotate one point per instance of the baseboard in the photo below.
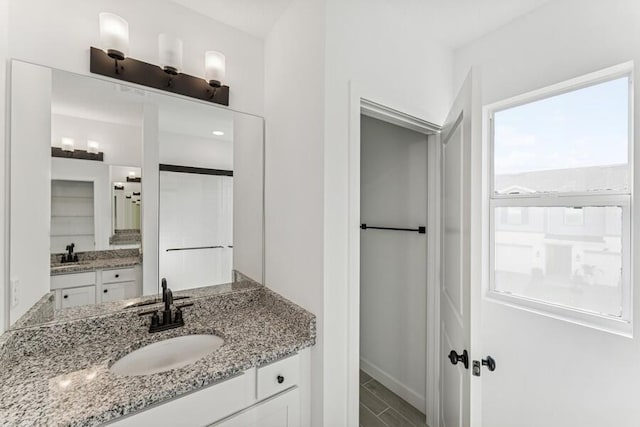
(415, 399)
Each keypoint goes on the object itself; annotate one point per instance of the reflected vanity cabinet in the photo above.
(96, 286)
(274, 395)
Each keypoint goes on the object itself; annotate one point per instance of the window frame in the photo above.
(599, 198)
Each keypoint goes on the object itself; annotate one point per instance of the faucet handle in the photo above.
(169, 298)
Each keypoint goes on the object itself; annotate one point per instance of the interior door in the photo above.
(455, 320)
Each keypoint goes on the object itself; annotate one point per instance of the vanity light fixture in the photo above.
(93, 147)
(113, 61)
(218, 133)
(114, 35)
(68, 144)
(214, 68)
(170, 54)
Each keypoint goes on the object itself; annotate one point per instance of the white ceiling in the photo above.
(454, 22)
(458, 22)
(255, 17)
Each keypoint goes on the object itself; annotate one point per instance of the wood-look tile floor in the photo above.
(380, 407)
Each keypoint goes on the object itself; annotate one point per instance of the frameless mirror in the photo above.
(114, 187)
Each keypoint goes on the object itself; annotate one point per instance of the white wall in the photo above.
(385, 49)
(4, 54)
(120, 143)
(294, 115)
(248, 196)
(188, 150)
(59, 33)
(551, 372)
(393, 264)
(387, 53)
(30, 217)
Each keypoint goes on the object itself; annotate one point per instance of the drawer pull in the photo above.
(65, 296)
(105, 291)
(280, 379)
(117, 275)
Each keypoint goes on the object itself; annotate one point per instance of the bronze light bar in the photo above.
(145, 74)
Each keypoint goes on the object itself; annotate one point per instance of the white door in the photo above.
(455, 318)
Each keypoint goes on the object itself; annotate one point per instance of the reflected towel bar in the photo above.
(194, 248)
(420, 229)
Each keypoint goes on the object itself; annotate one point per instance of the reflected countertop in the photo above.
(96, 260)
(59, 375)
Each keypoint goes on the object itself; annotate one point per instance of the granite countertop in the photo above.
(94, 260)
(90, 265)
(58, 374)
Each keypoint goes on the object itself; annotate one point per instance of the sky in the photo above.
(585, 127)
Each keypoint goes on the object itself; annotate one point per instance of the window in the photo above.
(560, 196)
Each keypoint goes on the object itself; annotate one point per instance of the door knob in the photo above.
(490, 363)
(455, 358)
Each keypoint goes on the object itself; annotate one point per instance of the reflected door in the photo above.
(196, 229)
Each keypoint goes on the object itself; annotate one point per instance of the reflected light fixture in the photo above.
(170, 53)
(218, 133)
(114, 35)
(68, 144)
(93, 147)
(132, 174)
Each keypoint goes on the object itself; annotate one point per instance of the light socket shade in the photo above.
(214, 67)
(93, 147)
(114, 35)
(170, 52)
(68, 144)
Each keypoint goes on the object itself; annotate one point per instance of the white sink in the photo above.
(166, 355)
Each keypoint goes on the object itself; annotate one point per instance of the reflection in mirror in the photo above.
(114, 188)
(126, 197)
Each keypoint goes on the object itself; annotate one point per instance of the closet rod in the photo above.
(420, 229)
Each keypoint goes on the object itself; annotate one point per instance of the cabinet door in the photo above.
(73, 297)
(282, 410)
(119, 291)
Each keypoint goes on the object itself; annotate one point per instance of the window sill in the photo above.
(612, 325)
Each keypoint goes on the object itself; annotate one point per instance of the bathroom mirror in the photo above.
(114, 187)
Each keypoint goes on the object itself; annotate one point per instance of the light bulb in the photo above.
(68, 144)
(93, 147)
(170, 52)
(214, 64)
(114, 35)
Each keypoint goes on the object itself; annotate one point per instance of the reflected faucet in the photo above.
(71, 257)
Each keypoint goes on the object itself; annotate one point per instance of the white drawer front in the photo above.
(119, 291)
(73, 280)
(197, 409)
(74, 297)
(278, 376)
(119, 275)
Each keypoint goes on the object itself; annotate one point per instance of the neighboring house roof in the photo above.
(614, 177)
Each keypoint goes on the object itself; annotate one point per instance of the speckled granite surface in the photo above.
(41, 312)
(93, 260)
(58, 375)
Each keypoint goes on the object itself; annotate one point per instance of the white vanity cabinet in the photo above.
(239, 401)
(97, 286)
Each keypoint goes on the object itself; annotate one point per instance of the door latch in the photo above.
(489, 362)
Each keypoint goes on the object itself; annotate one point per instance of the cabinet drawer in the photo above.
(119, 291)
(278, 376)
(74, 297)
(119, 275)
(73, 280)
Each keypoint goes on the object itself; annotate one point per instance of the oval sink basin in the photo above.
(166, 355)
